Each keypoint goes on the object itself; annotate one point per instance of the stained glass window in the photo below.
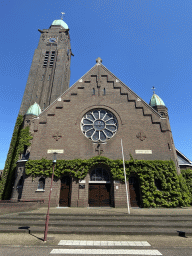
(99, 125)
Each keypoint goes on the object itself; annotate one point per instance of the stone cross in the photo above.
(141, 136)
(99, 60)
(98, 149)
(57, 136)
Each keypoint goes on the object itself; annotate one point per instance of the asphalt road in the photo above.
(44, 251)
(33, 245)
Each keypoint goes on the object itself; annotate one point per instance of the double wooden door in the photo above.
(65, 192)
(134, 192)
(99, 195)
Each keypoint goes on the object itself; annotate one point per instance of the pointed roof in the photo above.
(95, 69)
(60, 23)
(156, 101)
(182, 159)
(34, 110)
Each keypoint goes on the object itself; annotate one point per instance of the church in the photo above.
(83, 121)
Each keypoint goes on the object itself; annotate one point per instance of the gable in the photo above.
(99, 78)
(182, 159)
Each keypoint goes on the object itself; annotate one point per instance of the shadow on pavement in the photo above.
(27, 228)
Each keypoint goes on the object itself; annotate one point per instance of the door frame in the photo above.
(100, 165)
(70, 189)
(100, 183)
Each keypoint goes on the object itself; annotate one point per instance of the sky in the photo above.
(144, 43)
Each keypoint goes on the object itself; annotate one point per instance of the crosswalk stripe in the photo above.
(106, 251)
(103, 243)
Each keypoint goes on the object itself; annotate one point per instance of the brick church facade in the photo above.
(88, 119)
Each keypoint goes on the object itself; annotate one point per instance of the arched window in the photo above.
(99, 174)
(41, 184)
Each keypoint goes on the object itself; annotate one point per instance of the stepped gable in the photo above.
(99, 76)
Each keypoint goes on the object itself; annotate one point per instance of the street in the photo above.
(72, 244)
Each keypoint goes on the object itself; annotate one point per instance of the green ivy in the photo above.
(187, 175)
(174, 191)
(21, 137)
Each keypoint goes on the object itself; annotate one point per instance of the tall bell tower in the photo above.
(50, 69)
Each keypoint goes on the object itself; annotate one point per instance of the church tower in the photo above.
(50, 69)
(157, 103)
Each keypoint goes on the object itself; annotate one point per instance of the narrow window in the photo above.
(93, 91)
(41, 184)
(52, 59)
(46, 59)
(104, 92)
(169, 147)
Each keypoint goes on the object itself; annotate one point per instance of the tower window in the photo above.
(104, 91)
(169, 147)
(52, 59)
(46, 59)
(93, 91)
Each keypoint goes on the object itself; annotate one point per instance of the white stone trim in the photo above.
(92, 181)
(40, 190)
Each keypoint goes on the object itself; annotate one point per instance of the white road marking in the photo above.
(103, 243)
(106, 251)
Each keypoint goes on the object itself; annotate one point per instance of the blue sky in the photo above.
(144, 43)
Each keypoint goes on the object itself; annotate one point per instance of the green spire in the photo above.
(60, 23)
(34, 110)
(156, 101)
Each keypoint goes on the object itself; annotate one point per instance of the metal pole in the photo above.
(47, 216)
(125, 178)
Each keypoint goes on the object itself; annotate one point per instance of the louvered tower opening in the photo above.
(52, 59)
(46, 59)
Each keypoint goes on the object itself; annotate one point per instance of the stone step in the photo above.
(91, 224)
(97, 218)
(107, 215)
(98, 230)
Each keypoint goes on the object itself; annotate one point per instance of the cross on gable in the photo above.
(57, 136)
(99, 149)
(141, 136)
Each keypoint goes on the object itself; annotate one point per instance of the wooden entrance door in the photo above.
(65, 194)
(99, 195)
(134, 192)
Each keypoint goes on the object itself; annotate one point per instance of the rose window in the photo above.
(99, 125)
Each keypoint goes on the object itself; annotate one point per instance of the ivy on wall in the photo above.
(187, 175)
(174, 191)
(21, 137)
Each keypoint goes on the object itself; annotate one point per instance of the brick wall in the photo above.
(133, 117)
(45, 84)
(63, 118)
